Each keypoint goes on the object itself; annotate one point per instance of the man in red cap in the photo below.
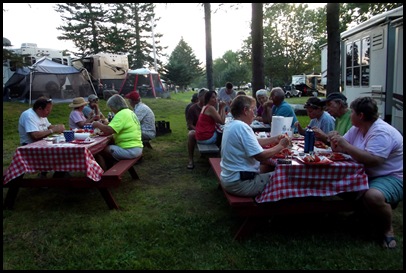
(144, 114)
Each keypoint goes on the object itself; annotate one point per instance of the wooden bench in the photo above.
(248, 209)
(113, 177)
(208, 148)
(110, 179)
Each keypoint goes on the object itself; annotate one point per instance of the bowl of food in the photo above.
(81, 136)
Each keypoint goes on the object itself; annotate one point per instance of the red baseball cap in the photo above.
(134, 95)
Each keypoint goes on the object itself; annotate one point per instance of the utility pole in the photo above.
(153, 43)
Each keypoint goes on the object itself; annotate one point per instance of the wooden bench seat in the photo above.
(248, 209)
(118, 169)
(208, 148)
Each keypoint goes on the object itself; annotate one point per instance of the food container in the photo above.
(81, 136)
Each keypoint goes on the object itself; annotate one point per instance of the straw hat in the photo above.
(78, 102)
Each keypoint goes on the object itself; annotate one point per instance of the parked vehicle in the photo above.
(107, 70)
(308, 84)
(291, 91)
(30, 54)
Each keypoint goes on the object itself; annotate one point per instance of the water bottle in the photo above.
(309, 140)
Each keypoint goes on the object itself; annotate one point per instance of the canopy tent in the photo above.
(143, 80)
(51, 79)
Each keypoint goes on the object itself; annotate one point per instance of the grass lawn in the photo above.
(172, 218)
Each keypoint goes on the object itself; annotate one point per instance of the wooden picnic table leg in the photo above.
(133, 173)
(246, 227)
(108, 197)
(12, 192)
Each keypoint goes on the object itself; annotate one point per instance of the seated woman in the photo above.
(379, 146)
(126, 130)
(245, 167)
(262, 98)
(206, 132)
(77, 119)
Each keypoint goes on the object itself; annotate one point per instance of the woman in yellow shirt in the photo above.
(126, 130)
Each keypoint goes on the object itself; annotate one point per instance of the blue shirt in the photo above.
(285, 110)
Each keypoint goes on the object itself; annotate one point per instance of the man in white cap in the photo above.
(144, 114)
(337, 106)
(93, 110)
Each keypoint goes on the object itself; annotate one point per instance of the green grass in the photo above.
(171, 218)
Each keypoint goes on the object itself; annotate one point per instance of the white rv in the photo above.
(107, 70)
(31, 53)
(372, 64)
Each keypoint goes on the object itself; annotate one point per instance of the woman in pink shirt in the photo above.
(379, 146)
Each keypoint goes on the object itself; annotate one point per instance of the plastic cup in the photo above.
(69, 135)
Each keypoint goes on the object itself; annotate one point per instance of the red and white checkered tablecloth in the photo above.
(300, 180)
(41, 156)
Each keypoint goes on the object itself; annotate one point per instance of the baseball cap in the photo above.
(92, 97)
(334, 96)
(134, 95)
(313, 102)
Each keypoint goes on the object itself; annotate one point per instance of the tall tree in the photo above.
(183, 66)
(81, 26)
(112, 28)
(138, 26)
(209, 55)
(333, 45)
(257, 48)
(230, 68)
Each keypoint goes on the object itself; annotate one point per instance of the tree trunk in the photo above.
(257, 33)
(209, 55)
(333, 45)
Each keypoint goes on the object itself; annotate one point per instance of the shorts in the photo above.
(250, 188)
(211, 140)
(390, 186)
(120, 153)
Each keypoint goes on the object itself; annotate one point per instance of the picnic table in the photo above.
(44, 156)
(299, 188)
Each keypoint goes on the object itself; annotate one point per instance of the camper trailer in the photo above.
(107, 70)
(31, 53)
(372, 64)
(308, 84)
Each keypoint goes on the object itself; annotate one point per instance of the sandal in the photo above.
(190, 165)
(389, 242)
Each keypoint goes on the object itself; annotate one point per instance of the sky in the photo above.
(229, 26)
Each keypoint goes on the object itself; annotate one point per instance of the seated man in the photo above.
(227, 94)
(191, 119)
(33, 125)
(320, 120)
(93, 109)
(279, 107)
(144, 114)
